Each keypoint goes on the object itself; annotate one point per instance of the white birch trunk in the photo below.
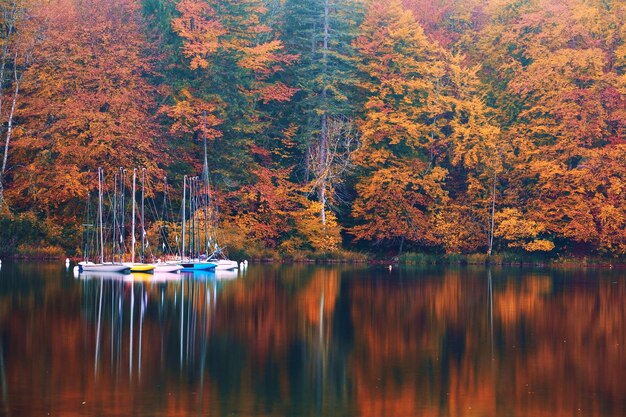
(16, 90)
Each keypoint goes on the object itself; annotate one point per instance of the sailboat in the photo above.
(226, 265)
(138, 267)
(174, 266)
(102, 266)
(193, 263)
(217, 255)
(167, 267)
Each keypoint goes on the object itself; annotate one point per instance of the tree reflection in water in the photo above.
(315, 341)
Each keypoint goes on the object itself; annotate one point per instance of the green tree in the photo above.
(321, 33)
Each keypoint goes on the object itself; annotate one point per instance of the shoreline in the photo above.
(477, 260)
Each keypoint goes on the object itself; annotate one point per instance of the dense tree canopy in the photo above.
(453, 126)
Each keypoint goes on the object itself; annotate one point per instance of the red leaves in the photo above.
(201, 29)
(88, 103)
(188, 113)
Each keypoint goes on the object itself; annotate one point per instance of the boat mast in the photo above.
(87, 235)
(132, 256)
(192, 216)
(100, 214)
(114, 218)
(196, 227)
(205, 191)
(164, 217)
(122, 211)
(182, 253)
(143, 228)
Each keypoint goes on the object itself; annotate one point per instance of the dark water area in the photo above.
(313, 341)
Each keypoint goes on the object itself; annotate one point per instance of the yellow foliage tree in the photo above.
(321, 237)
(399, 130)
(520, 232)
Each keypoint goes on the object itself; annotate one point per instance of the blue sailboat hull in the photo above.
(198, 266)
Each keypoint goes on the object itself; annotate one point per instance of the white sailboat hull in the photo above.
(91, 267)
(165, 267)
(226, 265)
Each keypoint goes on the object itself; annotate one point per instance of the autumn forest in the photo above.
(333, 126)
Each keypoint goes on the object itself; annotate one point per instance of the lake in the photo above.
(314, 341)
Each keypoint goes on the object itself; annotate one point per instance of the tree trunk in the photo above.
(401, 246)
(322, 199)
(323, 153)
(16, 80)
(1, 195)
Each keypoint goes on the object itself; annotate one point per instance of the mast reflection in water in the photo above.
(180, 310)
(310, 341)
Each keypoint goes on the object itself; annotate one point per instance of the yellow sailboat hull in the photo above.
(141, 268)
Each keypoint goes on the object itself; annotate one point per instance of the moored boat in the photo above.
(198, 266)
(167, 267)
(137, 267)
(102, 266)
(106, 267)
(226, 265)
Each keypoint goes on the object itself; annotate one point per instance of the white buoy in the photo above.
(76, 271)
(390, 267)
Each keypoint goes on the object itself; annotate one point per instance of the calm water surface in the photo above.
(314, 341)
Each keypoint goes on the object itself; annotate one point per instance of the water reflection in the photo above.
(117, 306)
(314, 341)
(3, 381)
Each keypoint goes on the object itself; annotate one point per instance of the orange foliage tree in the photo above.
(564, 108)
(233, 59)
(399, 182)
(424, 118)
(87, 103)
(16, 45)
(481, 124)
(473, 151)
